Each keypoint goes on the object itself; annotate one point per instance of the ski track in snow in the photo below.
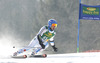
(59, 58)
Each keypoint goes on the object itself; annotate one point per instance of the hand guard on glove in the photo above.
(55, 49)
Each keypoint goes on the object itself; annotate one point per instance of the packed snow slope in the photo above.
(59, 58)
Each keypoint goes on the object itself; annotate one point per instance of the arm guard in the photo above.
(40, 41)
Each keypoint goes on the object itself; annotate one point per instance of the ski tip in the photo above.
(25, 56)
(44, 55)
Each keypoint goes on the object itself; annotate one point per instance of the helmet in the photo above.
(52, 22)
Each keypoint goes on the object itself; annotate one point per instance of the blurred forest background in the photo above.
(22, 19)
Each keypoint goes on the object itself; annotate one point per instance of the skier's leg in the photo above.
(30, 46)
(39, 49)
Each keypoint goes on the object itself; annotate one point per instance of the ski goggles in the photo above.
(54, 25)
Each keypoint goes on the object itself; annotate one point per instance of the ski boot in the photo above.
(15, 54)
(32, 54)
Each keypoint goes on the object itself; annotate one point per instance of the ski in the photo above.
(22, 56)
(31, 56)
(39, 56)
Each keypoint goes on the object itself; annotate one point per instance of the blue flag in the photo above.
(89, 12)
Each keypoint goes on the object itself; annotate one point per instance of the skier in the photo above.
(40, 41)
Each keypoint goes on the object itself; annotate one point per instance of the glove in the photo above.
(55, 49)
(43, 46)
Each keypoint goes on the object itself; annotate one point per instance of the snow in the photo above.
(7, 49)
(59, 58)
